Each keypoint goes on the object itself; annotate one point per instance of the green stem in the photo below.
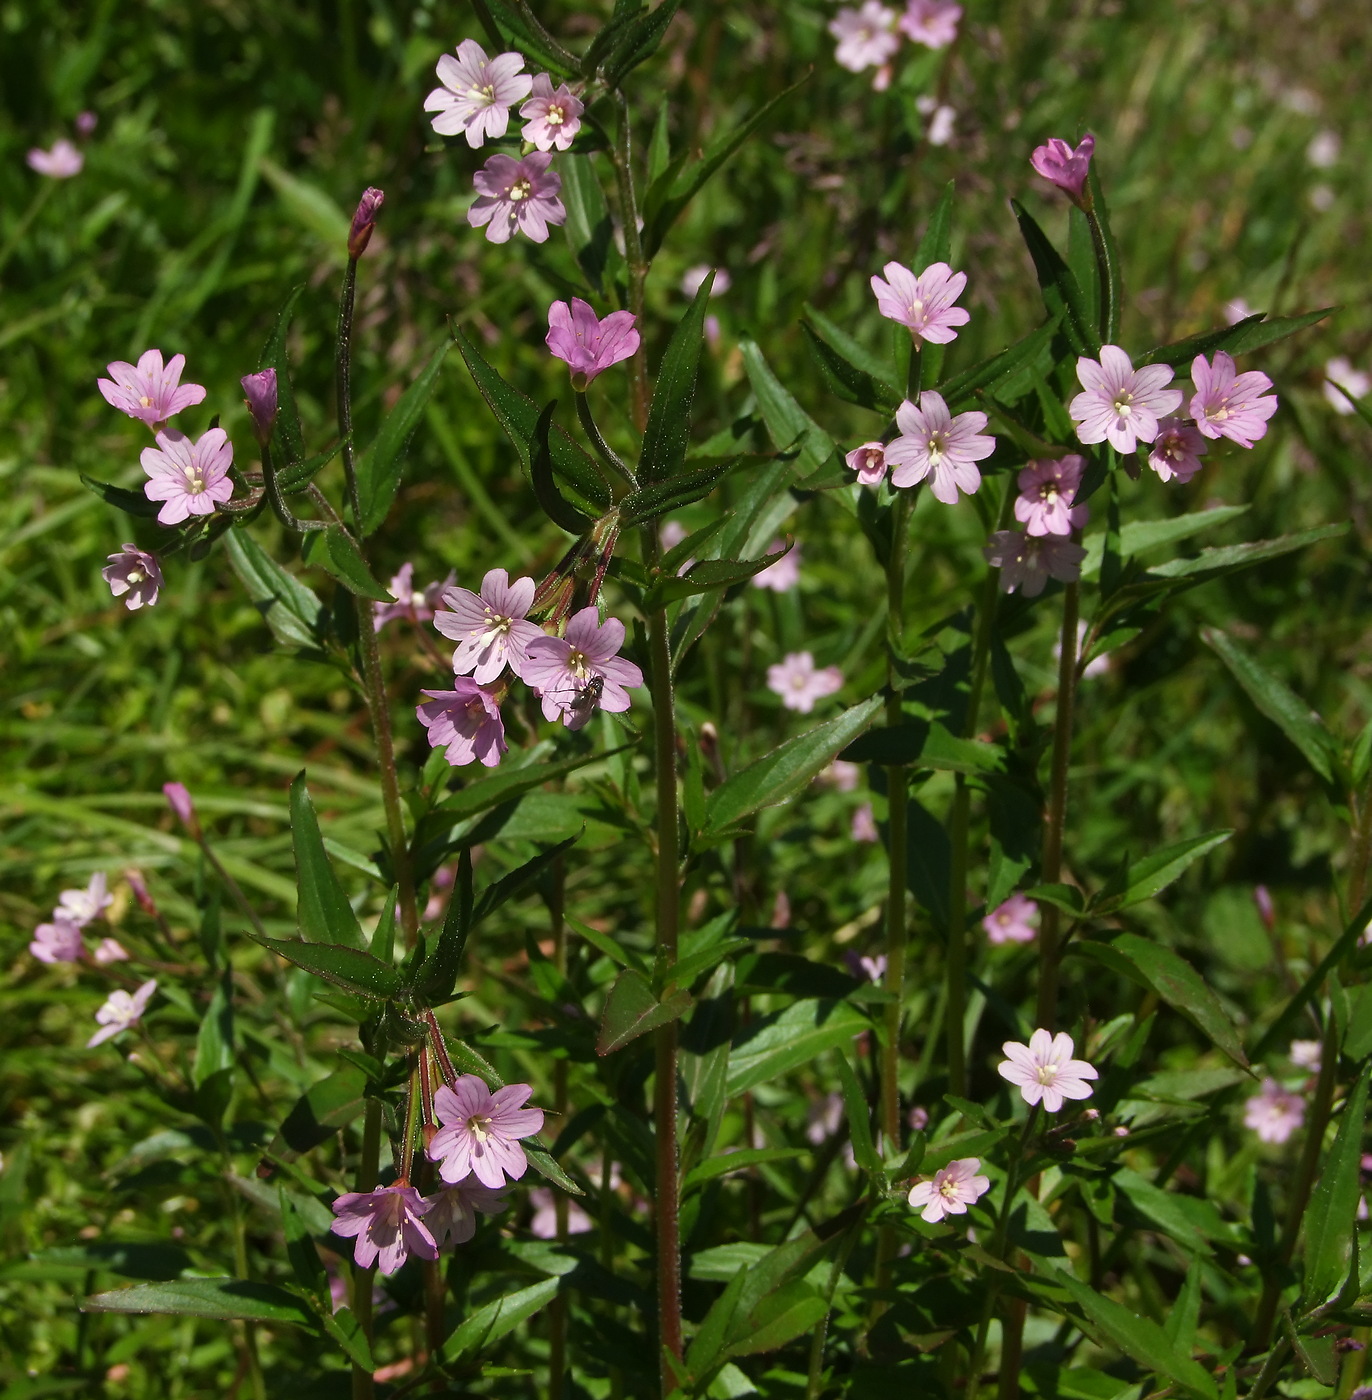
(557, 1312)
(277, 501)
(604, 451)
(231, 885)
(368, 1170)
(815, 1382)
(622, 156)
(343, 380)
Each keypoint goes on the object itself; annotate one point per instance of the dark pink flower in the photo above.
(121, 1012)
(800, 682)
(1066, 168)
(466, 720)
(923, 303)
(364, 221)
(451, 1218)
(1045, 1071)
(551, 119)
(1120, 404)
(477, 93)
(491, 629)
(1177, 450)
(869, 462)
(388, 1225)
(933, 23)
(1230, 405)
(582, 671)
(60, 163)
(952, 1189)
(415, 604)
(588, 344)
(866, 36)
(1046, 492)
(1013, 921)
(135, 572)
(259, 392)
(82, 907)
(190, 478)
(1028, 561)
(933, 441)
(517, 196)
(59, 941)
(481, 1131)
(148, 391)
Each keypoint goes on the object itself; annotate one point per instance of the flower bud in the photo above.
(363, 222)
(86, 123)
(179, 800)
(260, 396)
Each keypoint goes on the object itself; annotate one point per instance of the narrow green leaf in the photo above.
(333, 550)
(774, 1045)
(218, 1298)
(554, 504)
(787, 423)
(1182, 1320)
(130, 502)
(505, 784)
(1252, 333)
(320, 1112)
(781, 1317)
(936, 244)
(300, 1250)
(346, 1330)
(1144, 879)
(925, 744)
(294, 478)
(859, 1118)
(323, 912)
(640, 41)
(960, 389)
(1061, 295)
(669, 415)
(382, 945)
(314, 210)
(515, 31)
(1330, 1218)
(632, 1010)
(441, 970)
(1140, 536)
(214, 1043)
(589, 230)
(288, 431)
(841, 371)
(495, 1320)
(727, 1163)
(348, 968)
(701, 577)
(683, 489)
(292, 610)
(517, 881)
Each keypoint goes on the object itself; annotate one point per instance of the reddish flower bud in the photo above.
(260, 396)
(179, 800)
(364, 221)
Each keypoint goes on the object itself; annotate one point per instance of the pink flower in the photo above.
(588, 344)
(481, 1131)
(517, 196)
(1066, 168)
(1230, 405)
(1305, 1054)
(491, 630)
(918, 1118)
(387, 1224)
(60, 163)
(1030, 560)
(1339, 374)
(1272, 1113)
(86, 122)
(136, 572)
(110, 950)
(951, 1191)
(179, 800)
(923, 303)
(870, 969)
(1121, 405)
(940, 131)
(59, 941)
(551, 119)
(466, 720)
(148, 391)
(1045, 1070)
(543, 1226)
(694, 278)
(1046, 492)
(189, 477)
(842, 775)
(415, 604)
(259, 392)
(932, 441)
(1013, 921)
(866, 36)
(1267, 911)
(120, 1012)
(364, 221)
(477, 93)
(933, 23)
(800, 684)
(782, 576)
(1177, 450)
(864, 825)
(582, 671)
(82, 907)
(869, 462)
(451, 1218)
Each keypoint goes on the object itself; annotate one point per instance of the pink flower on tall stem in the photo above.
(1045, 1071)
(477, 93)
(800, 682)
(388, 1225)
(1273, 1113)
(1028, 561)
(1120, 404)
(1177, 450)
(869, 462)
(491, 629)
(190, 478)
(588, 344)
(465, 721)
(866, 36)
(551, 118)
(1230, 405)
(149, 391)
(517, 196)
(121, 1012)
(1046, 492)
(415, 604)
(951, 1191)
(582, 671)
(1066, 168)
(933, 23)
(60, 163)
(481, 1131)
(1015, 920)
(782, 576)
(933, 442)
(82, 907)
(134, 572)
(923, 303)
(58, 941)
(451, 1218)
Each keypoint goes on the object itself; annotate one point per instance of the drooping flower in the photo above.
(58, 941)
(1066, 168)
(1230, 405)
(923, 303)
(1177, 450)
(1044, 1070)
(800, 683)
(491, 629)
(582, 671)
(1015, 920)
(364, 220)
(933, 23)
(415, 604)
(588, 344)
(134, 572)
(1120, 404)
(465, 722)
(190, 478)
(864, 825)
(121, 1012)
(388, 1226)
(869, 462)
(951, 1191)
(1305, 1054)
(933, 442)
(149, 391)
(866, 36)
(1028, 561)
(477, 93)
(259, 394)
(82, 907)
(1340, 375)
(543, 1226)
(481, 1131)
(782, 576)
(517, 196)
(60, 162)
(110, 950)
(551, 118)
(1273, 1113)
(451, 1218)
(1046, 492)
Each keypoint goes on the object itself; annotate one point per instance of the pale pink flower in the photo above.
(694, 278)
(868, 968)
(1273, 1113)
(1177, 450)
(543, 1226)
(918, 1119)
(134, 572)
(799, 683)
(451, 1217)
(933, 441)
(190, 478)
(477, 93)
(881, 79)
(671, 534)
(517, 196)
(149, 391)
(61, 162)
(1044, 1070)
(823, 1118)
(866, 36)
(465, 722)
(588, 344)
(86, 122)
(481, 1131)
(1120, 404)
(940, 131)
(59, 941)
(1013, 921)
(551, 119)
(782, 576)
(259, 395)
(933, 23)
(388, 1225)
(842, 775)
(1305, 1054)
(869, 462)
(864, 825)
(1046, 492)
(1236, 310)
(82, 907)
(1339, 374)
(951, 1191)
(414, 604)
(110, 950)
(923, 303)
(1230, 405)
(491, 629)
(1065, 167)
(781, 910)
(582, 671)
(364, 221)
(1028, 561)
(121, 1012)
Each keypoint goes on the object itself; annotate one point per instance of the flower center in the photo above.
(555, 116)
(136, 575)
(195, 480)
(1221, 411)
(916, 309)
(497, 626)
(948, 1189)
(521, 189)
(485, 95)
(145, 401)
(1046, 1074)
(937, 447)
(576, 664)
(1124, 403)
(1049, 492)
(479, 1125)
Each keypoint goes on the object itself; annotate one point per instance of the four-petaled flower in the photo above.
(588, 344)
(60, 163)
(465, 721)
(933, 441)
(1046, 492)
(149, 391)
(1120, 404)
(451, 1218)
(951, 1191)
(866, 36)
(1273, 1113)
(121, 1011)
(491, 629)
(190, 478)
(134, 572)
(1230, 405)
(415, 604)
(477, 93)
(1065, 167)
(59, 941)
(1015, 920)
(517, 196)
(1028, 561)
(800, 683)
(388, 1224)
(1044, 1070)
(582, 671)
(81, 907)
(923, 303)
(869, 462)
(1177, 450)
(933, 23)
(551, 118)
(481, 1131)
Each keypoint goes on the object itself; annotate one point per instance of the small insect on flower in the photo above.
(584, 705)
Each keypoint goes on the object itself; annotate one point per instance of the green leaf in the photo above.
(554, 504)
(683, 489)
(218, 1298)
(787, 423)
(294, 478)
(287, 431)
(925, 744)
(130, 502)
(518, 880)
(1191, 1221)
(640, 40)
(489, 1324)
(379, 470)
(516, 32)
(959, 391)
(589, 230)
(1252, 333)
(1330, 1218)
(503, 785)
(1140, 536)
(333, 550)
(1061, 295)
(1212, 563)
(935, 246)
(781, 1317)
(214, 1046)
(346, 1330)
(859, 1118)
(312, 209)
(632, 1010)
(1144, 879)
(736, 1161)
(300, 1250)
(324, 1108)
(705, 575)
(349, 968)
(1108, 251)
(323, 912)
(382, 943)
(774, 1045)
(1184, 1317)
(292, 611)
(850, 371)
(669, 415)
(440, 971)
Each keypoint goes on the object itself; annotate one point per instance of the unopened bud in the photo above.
(1266, 910)
(140, 892)
(179, 800)
(259, 392)
(364, 221)
(86, 124)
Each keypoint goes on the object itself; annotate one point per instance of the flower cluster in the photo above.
(869, 36)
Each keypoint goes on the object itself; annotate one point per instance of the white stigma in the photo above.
(1046, 1074)
(576, 664)
(937, 446)
(1123, 400)
(521, 189)
(555, 116)
(145, 401)
(479, 1126)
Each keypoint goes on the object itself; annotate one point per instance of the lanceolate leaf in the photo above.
(489, 1324)
(323, 912)
(555, 505)
(218, 1298)
(631, 1010)
(514, 31)
(775, 1045)
(440, 971)
(1252, 333)
(333, 550)
(1143, 879)
(935, 245)
(349, 968)
(958, 390)
(707, 574)
(669, 414)
(1061, 294)
(846, 380)
(686, 487)
(588, 228)
(787, 423)
(640, 40)
(292, 611)
(130, 502)
(1331, 1216)
(288, 431)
